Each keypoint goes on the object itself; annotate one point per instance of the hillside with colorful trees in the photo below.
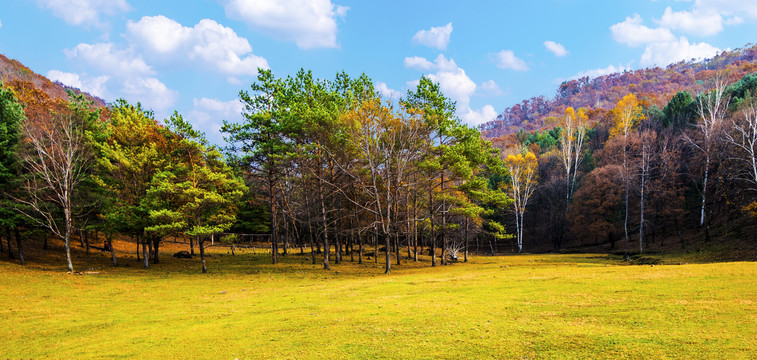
(656, 86)
(651, 159)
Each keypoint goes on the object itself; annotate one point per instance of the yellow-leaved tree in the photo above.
(523, 169)
(627, 115)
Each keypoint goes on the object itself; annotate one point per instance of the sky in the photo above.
(194, 56)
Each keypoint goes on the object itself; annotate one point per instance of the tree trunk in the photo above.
(388, 245)
(67, 238)
(112, 250)
(145, 255)
(191, 247)
(86, 240)
(19, 247)
(704, 188)
(360, 248)
(325, 228)
(201, 244)
(156, 247)
(274, 243)
(432, 236)
(8, 239)
(466, 240)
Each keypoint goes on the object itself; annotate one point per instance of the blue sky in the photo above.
(194, 56)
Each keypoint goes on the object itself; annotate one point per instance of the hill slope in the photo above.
(656, 85)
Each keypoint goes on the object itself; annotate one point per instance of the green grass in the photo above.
(513, 307)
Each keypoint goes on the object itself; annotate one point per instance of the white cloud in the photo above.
(441, 63)
(555, 48)
(208, 43)
(733, 10)
(506, 59)
(84, 12)
(133, 77)
(309, 23)
(210, 113)
(418, 63)
(436, 37)
(478, 117)
(633, 33)
(110, 60)
(664, 53)
(455, 84)
(602, 71)
(386, 91)
(94, 86)
(696, 22)
(150, 92)
(1, 24)
(490, 87)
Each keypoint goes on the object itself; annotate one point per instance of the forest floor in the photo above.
(521, 306)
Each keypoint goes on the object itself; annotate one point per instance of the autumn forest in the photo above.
(626, 163)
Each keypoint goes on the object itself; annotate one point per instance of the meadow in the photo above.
(509, 307)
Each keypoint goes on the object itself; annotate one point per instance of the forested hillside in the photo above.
(655, 85)
(648, 160)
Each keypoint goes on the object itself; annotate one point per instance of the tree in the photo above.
(197, 193)
(133, 151)
(710, 108)
(523, 170)
(57, 157)
(627, 115)
(572, 136)
(11, 118)
(262, 141)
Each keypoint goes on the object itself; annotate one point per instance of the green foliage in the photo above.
(679, 112)
(11, 116)
(741, 90)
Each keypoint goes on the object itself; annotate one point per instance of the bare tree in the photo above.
(711, 109)
(56, 157)
(743, 137)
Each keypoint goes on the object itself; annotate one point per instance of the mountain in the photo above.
(12, 71)
(655, 85)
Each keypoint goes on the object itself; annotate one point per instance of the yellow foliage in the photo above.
(627, 113)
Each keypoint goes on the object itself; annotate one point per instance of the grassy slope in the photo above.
(546, 306)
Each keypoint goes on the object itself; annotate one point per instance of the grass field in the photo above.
(511, 307)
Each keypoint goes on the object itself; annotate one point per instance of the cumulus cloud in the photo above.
(423, 64)
(131, 75)
(386, 91)
(708, 17)
(490, 87)
(633, 33)
(208, 44)
(478, 117)
(109, 59)
(662, 54)
(210, 113)
(454, 83)
(696, 22)
(555, 48)
(309, 23)
(84, 12)
(151, 92)
(83, 82)
(506, 59)
(436, 37)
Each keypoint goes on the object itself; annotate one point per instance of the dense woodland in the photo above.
(624, 163)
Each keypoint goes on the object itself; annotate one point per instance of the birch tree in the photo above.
(523, 170)
(627, 114)
(57, 157)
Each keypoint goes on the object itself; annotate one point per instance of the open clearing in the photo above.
(530, 306)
